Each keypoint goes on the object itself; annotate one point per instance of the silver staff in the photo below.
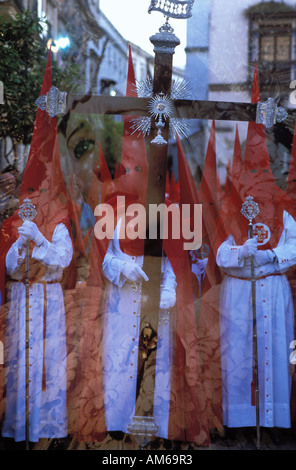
(27, 211)
(250, 209)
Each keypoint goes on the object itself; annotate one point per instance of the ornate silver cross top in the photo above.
(250, 209)
(27, 211)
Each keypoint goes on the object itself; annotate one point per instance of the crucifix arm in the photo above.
(186, 109)
(267, 113)
(217, 110)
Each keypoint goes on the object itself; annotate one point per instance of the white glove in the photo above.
(248, 249)
(263, 257)
(21, 242)
(30, 230)
(167, 298)
(133, 272)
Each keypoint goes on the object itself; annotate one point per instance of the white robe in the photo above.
(48, 413)
(275, 330)
(121, 333)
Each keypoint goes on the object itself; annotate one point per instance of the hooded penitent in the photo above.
(256, 180)
(42, 181)
(44, 186)
(187, 420)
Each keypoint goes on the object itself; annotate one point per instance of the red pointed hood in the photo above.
(108, 188)
(291, 182)
(255, 179)
(237, 161)
(172, 188)
(188, 190)
(175, 189)
(256, 158)
(258, 180)
(228, 180)
(219, 189)
(43, 181)
(208, 191)
(132, 174)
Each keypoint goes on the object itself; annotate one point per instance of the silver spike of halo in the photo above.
(144, 88)
(178, 126)
(180, 90)
(141, 125)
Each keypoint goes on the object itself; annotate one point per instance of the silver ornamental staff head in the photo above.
(250, 209)
(143, 428)
(27, 211)
(268, 113)
(180, 9)
(54, 102)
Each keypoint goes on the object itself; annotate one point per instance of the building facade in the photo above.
(93, 43)
(224, 40)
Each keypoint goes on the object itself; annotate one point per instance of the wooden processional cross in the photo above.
(155, 108)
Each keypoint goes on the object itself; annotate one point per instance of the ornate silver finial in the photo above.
(268, 113)
(250, 209)
(143, 428)
(172, 8)
(27, 211)
(54, 102)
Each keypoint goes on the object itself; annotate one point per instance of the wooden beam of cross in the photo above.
(182, 108)
(185, 109)
(58, 103)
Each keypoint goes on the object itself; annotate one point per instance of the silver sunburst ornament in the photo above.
(161, 107)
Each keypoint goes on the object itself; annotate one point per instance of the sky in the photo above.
(135, 24)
